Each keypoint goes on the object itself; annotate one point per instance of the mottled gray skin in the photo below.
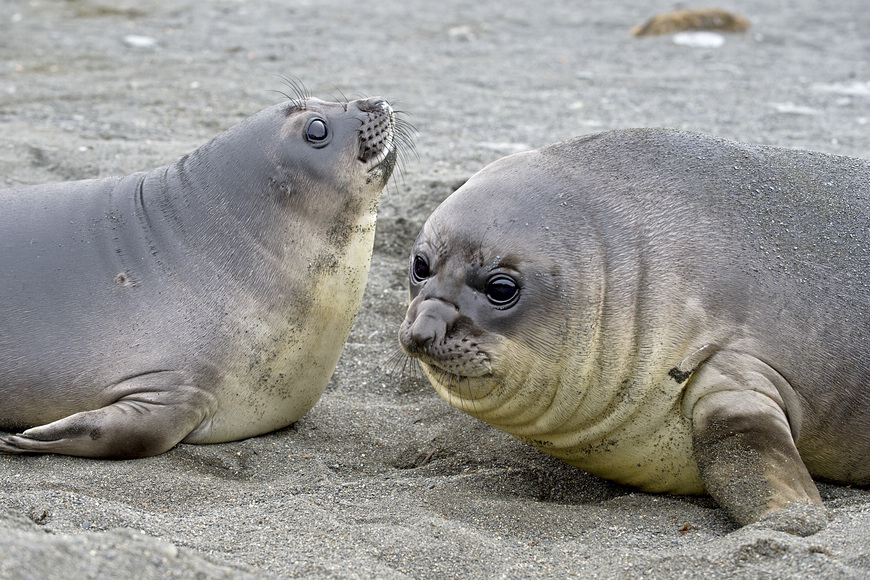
(204, 301)
(691, 314)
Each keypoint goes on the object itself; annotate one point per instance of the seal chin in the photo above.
(381, 167)
(463, 389)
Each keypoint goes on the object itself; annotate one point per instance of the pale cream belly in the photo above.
(276, 382)
(653, 460)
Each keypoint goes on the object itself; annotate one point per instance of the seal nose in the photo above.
(372, 105)
(427, 323)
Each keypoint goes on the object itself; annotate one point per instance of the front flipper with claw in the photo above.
(745, 446)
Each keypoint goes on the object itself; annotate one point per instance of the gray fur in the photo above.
(694, 314)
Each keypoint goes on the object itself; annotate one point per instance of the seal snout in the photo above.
(426, 325)
(437, 334)
(373, 105)
(376, 131)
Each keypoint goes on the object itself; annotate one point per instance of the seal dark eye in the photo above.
(502, 291)
(316, 131)
(419, 269)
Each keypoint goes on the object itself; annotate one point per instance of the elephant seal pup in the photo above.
(668, 310)
(202, 302)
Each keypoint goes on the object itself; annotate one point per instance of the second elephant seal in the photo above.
(205, 301)
(668, 310)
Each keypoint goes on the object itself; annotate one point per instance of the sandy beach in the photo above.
(382, 479)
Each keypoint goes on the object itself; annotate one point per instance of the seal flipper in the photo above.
(139, 424)
(745, 447)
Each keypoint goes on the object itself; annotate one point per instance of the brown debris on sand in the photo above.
(703, 19)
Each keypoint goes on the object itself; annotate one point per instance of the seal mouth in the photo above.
(383, 164)
(458, 369)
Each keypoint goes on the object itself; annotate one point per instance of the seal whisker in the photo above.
(471, 397)
(404, 147)
(299, 90)
(405, 133)
(398, 365)
(286, 96)
(343, 100)
(395, 363)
